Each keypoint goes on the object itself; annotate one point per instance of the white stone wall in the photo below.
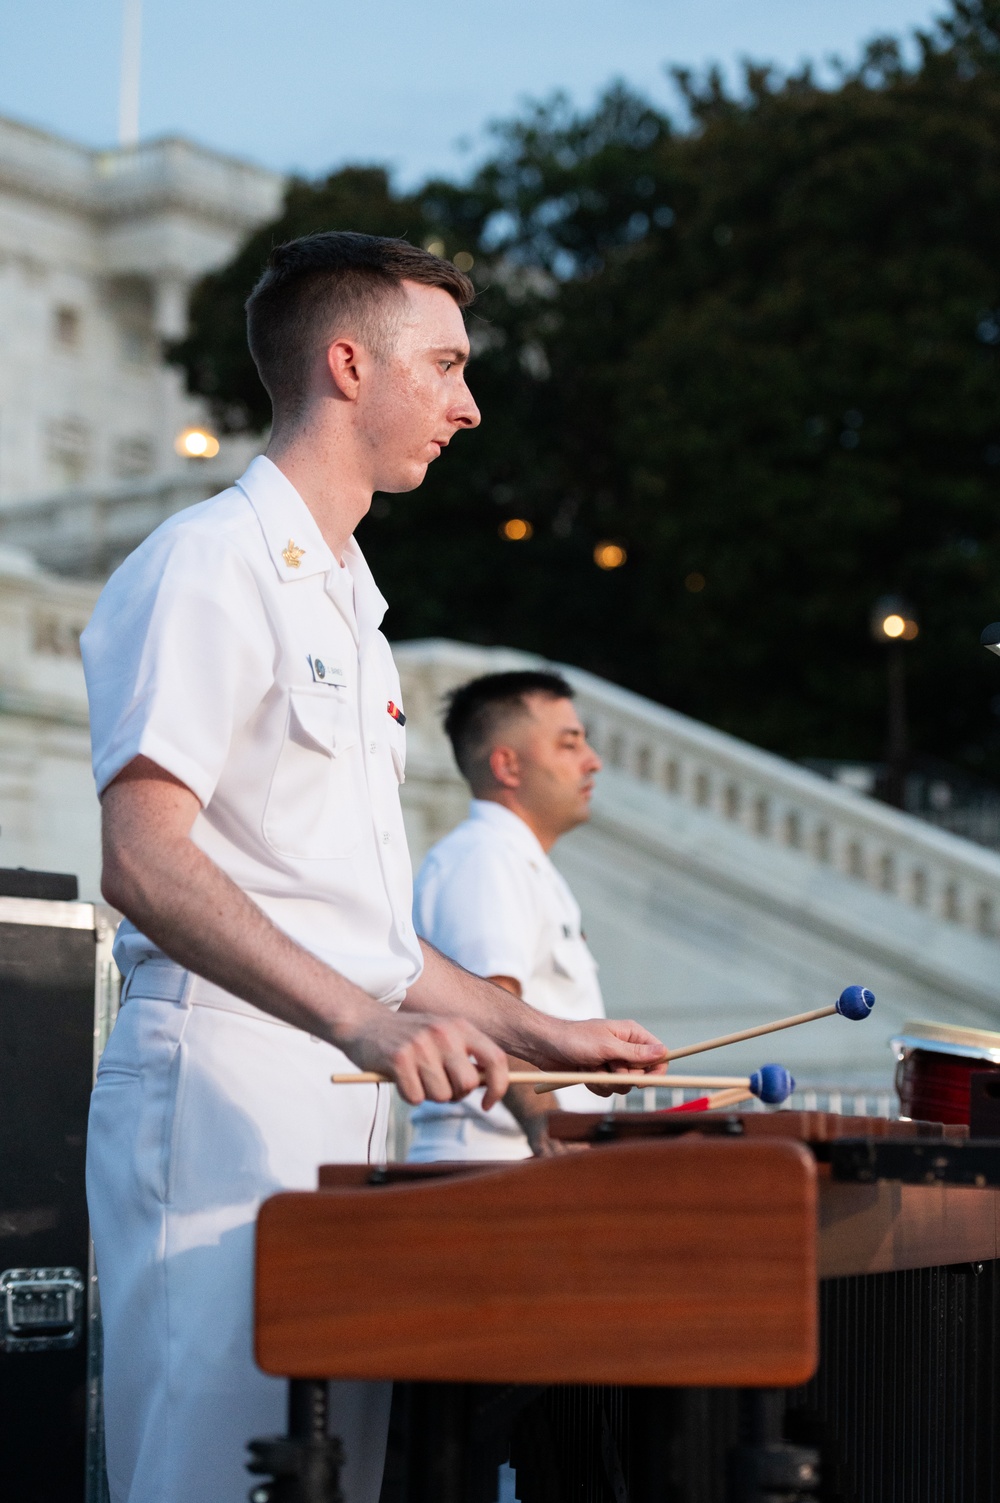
(98, 252)
(49, 815)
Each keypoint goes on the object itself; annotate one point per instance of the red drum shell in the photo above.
(934, 1087)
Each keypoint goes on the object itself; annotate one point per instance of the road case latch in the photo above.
(41, 1309)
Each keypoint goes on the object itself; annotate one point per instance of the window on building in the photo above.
(138, 347)
(67, 327)
(134, 456)
(68, 450)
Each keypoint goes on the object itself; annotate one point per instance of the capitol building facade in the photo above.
(99, 251)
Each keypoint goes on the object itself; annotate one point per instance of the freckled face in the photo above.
(417, 399)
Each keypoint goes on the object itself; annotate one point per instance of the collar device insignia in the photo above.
(293, 554)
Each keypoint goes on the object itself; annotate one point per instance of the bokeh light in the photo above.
(516, 530)
(609, 555)
(694, 583)
(893, 621)
(463, 261)
(197, 443)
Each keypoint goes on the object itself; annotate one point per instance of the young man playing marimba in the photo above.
(488, 896)
(248, 747)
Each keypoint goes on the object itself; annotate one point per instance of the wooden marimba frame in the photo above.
(728, 1309)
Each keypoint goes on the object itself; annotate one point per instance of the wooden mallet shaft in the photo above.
(753, 1033)
(854, 1002)
(772, 1083)
(717, 1100)
(555, 1079)
(731, 1097)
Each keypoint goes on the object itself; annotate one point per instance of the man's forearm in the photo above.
(452, 991)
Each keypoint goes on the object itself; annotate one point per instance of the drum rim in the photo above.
(948, 1038)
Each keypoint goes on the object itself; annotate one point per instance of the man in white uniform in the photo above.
(488, 896)
(248, 747)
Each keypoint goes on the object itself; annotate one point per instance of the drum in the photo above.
(935, 1063)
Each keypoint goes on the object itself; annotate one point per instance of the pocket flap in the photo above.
(572, 958)
(319, 720)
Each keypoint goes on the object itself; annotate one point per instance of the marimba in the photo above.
(772, 1306)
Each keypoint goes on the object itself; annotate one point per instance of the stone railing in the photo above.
(770, 799)
(842, 1101)
(41, 620)
(87, 532)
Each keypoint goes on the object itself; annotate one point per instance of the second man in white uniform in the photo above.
(489, 897)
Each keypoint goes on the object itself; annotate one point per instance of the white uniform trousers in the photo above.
(461, 1138)
(200, 1112)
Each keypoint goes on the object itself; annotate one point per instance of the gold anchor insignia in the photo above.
(293, 554)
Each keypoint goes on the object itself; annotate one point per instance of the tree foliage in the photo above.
(759, 351)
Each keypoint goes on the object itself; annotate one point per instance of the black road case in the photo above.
(58, 997)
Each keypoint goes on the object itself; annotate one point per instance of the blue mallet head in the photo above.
(855, 1002)
(772, 1083)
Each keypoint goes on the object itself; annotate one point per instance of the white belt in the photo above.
(165, 981)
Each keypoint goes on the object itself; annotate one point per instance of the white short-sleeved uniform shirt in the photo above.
(488, 896)
(234, 651)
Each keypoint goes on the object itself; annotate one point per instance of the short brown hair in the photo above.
(477, 712)
(320, 285)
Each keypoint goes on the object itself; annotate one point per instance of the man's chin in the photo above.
(407, 480)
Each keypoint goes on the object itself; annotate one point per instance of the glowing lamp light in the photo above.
(516, 530)
(196, 443)
(893, 621)
(609, 555)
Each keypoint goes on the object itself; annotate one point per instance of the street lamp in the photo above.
(893, 622)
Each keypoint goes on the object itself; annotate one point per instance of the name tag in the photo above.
(324, 672)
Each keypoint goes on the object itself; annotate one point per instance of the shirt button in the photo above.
(385, 837)
(373, 746)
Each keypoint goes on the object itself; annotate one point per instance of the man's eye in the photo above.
(446, 365)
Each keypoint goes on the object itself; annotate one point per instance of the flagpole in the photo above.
(128, 101)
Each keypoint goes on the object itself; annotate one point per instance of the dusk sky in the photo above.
(310, 84)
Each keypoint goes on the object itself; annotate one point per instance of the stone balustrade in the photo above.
(772, 800)
(775, 801)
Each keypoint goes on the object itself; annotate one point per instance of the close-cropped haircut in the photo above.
(334, 282)
(476, 713)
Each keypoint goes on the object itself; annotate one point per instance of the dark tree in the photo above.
(760, 352)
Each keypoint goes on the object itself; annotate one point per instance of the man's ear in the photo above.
(343, 360)
(505, 765)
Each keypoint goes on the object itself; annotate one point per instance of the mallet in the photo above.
(772, 1083)
(718, 1100)
(854, 1002)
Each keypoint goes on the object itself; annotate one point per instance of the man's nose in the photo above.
(594, 763)
(465, 413)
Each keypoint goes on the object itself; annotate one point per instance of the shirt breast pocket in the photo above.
(573, 960)
(317, 799)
